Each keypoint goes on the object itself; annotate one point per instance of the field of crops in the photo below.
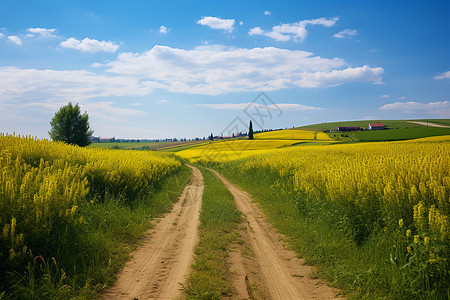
(44, 184)
(293, 134)
(398, 189)
(231, 150)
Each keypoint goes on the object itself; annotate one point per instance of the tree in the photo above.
(70, 126)
(250, 131)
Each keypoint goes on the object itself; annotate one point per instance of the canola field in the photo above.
(399, 189)
(293, 134)
(43, 184)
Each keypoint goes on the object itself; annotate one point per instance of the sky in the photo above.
(186, 69)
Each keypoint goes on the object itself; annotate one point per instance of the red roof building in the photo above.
(376, 126)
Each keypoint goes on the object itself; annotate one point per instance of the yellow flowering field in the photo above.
(43, 183)
(293, 134)
(232, 149)
(400, 190)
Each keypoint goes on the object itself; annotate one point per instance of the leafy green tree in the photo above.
(250, 131)
(70, 126)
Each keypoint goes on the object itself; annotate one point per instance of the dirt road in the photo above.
(429, 124)
(269, 270)
(158, 267)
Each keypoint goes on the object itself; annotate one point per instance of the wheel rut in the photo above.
(159, 267)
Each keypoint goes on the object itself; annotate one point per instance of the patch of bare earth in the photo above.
(159, 267)
(261, 265)
(428, 124)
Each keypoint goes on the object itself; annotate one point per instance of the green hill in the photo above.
(395, 130)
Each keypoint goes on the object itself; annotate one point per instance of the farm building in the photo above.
(341, 128)
(376, 126)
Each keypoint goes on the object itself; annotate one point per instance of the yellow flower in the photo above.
(408, 233)
(409, 249)
(400, 223)
(416, 239)
(426, 241)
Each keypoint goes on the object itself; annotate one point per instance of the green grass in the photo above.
(218, 221)
(88, 258)
(319, 232)
(396, 130)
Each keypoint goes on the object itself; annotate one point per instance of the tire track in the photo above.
(283, 275)
(161, 264)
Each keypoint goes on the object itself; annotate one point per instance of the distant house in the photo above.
(93, 139)
(340, 128)
(106, 140)
(376, 126)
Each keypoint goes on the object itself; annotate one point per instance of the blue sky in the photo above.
(157, 69)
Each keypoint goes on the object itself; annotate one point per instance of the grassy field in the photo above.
(396, 130)
(372, 216)
(218, 221)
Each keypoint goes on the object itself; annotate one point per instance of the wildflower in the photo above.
(426, 241)
(408, 233)
(409, 249)
(416, 239)
(400, 223)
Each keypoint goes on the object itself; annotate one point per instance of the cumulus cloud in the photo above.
(385, 96)
(241, 106)
(267, 13)
(52, 86)
(163, 29)
(293, 31)
(445, 75)
(15, 39)
(338, 77)
(42, 32)
(346, 34)
(217, 23)
(440, 108)
(208, 70)
(89, 45)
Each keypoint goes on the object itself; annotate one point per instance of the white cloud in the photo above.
(402, 98)
(217, 23)
(445, 75)
(338, 77)
(89, 45)
(346, 34)
(241, 106)
(440, 108)
(163, 29)
(208, 70)
(43, 32)
(1, 35)
(267, 13)
(256, 31)
(385, 96)
(241, 23)
(15, 39)
(295, 31)
(49, 85)
(163, 101)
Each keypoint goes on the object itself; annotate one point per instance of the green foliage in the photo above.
(70, 126)
(386, 262)
(250, 131)
(218, 221)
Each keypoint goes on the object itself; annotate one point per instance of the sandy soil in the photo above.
(261, 265)
(429, 124)
(159, 267)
